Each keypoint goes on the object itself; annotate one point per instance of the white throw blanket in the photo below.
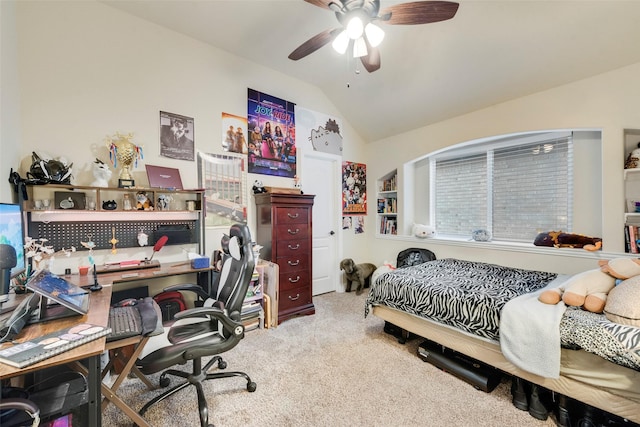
(530, 332)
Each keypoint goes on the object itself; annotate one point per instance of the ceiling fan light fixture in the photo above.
(375, 34)
(360, 48)
(341, 43)
(355, 28)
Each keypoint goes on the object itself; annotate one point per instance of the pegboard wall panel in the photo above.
(66, 234)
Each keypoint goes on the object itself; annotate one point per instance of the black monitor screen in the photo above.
(12, 233)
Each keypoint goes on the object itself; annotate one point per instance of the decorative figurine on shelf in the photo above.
(109, 205)
(633, 160)
(101, 174)
(143, 202)
(258, 188)
(122, 149)
(126, 202)
(164, 201)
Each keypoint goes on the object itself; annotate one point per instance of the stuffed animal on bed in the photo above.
(559, 239)
(589, 289)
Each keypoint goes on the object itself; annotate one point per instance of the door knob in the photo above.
(332, 232)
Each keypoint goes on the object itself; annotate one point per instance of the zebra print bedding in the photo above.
(463, 294)
(594, 333)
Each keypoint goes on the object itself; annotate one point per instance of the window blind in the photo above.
(514, 191)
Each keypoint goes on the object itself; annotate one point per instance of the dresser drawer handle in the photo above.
(297, 279)
(293, 216)
(294, 298)
(293, 232)
(293, 263)
(292, 248)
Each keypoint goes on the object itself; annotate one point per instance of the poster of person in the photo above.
(176, 136)
(354, 189)
(272, 135)
(233, 133)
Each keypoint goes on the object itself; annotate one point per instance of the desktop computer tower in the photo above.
(478, 374)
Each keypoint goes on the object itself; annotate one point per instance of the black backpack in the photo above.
(170, 303)
(414, 256)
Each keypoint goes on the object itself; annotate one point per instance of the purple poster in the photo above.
(271, 135)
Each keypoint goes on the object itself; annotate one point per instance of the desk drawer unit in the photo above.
(284, 229)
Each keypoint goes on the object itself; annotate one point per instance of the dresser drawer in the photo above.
(291, 215)
(293, 263)
(292, 231)
(293, 298)
(292, 248)
(294, 279)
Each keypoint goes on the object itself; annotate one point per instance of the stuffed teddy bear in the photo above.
(423, 231)
(258, 188)
(589, 289)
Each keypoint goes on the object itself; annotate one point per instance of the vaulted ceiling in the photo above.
(490, 52)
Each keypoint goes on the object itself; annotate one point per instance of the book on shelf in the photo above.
(49, 345)
(631, 236)
(251, 324)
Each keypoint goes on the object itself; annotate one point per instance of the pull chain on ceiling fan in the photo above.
(359, 30)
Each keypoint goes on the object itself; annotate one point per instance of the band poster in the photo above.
(354, 188)
(272, 135)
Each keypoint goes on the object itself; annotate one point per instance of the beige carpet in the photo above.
(334, 368)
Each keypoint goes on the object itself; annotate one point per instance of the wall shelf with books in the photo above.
(632, 190)
(387, 204)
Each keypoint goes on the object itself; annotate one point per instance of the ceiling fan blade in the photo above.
(371, 62)
(314, 43)
(419, 12)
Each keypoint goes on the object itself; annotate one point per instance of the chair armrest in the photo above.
(213, 312)
(197, 289)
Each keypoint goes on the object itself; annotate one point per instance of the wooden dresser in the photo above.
(284, 229)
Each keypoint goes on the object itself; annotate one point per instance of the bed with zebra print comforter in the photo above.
(594, 333)
(466, 295)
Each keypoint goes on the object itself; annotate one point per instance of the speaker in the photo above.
(479, 375)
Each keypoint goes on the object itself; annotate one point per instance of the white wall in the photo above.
(88, 70)
(608, 102)
(9, 99)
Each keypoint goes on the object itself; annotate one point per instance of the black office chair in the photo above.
(209, 330)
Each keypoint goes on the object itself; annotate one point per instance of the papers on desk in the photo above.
(46, 346)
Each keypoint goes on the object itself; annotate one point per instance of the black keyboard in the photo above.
(124, 322)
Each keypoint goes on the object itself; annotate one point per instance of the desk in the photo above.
(99, 303)
(204, 275)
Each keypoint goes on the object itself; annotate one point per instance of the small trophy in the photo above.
(122, 150)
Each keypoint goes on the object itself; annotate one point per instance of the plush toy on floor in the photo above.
(589, 289)
(358, 273)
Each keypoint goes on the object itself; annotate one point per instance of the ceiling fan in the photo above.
(358, 18)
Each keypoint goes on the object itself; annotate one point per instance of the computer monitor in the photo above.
(11, 234)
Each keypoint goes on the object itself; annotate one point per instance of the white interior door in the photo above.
(321, 176)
